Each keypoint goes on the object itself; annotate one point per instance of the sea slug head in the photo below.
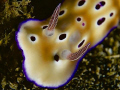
(53, 48)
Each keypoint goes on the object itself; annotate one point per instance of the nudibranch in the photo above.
(53, 48)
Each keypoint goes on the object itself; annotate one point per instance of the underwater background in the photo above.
(99, 69)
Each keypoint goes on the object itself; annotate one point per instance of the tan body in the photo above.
(39, 64)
